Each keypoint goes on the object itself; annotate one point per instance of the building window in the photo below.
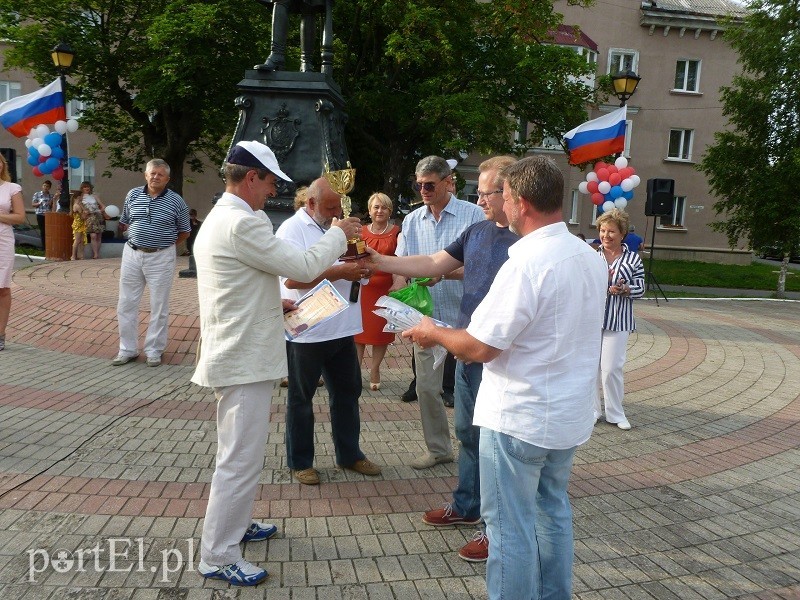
(75, 109)
(574, 208)
(83, 173)
(687, 75)
(9, 90)
(521, 132)
(628, 135)
(680, 144)
(620, 59)
(676, 218)
(594, 216)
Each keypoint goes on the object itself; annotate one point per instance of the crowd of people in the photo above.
(528, 366)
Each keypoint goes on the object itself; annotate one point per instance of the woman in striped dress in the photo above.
(625, 282)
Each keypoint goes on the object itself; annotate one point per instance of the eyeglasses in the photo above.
(482, 195)
(428, 186)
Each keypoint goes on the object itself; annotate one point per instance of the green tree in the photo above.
(443, 76)
(754, 167)
(159, 78)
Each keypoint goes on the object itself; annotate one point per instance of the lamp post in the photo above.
(62, 56)
(625, 83)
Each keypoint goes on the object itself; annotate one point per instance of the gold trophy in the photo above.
(342, 182)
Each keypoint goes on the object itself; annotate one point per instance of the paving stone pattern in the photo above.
(104, 471)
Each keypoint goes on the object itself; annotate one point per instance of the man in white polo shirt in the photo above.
(538, 334)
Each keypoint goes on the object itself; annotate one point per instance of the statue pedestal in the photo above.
(301, 117)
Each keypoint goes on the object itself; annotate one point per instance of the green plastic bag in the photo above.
(415, 295)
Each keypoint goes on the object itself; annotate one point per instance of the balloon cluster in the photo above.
(610, 186)
(45, 154)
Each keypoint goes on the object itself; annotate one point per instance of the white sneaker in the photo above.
(239, 573)
(624, 425)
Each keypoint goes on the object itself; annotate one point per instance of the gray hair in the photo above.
(237, 173)
(157, 162)
(433, 164)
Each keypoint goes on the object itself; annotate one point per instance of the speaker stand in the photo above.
(649, 277)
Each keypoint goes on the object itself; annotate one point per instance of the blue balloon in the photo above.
(45, 169)
(53, 139)
(51, 163)
(57, 152)
(74, 162)
(615, 192)
(33, 161)
(34, 153)
(628, 195)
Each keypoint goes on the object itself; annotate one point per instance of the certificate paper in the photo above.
(321, 303)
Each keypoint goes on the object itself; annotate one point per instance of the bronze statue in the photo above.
(308, 9)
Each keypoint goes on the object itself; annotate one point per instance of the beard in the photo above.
(324, 223)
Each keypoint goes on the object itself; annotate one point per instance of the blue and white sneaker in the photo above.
(258, 532)
(239, 573)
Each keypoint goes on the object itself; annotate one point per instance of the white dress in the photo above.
(7, 190)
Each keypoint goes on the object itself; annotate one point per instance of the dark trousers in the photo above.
(337, 362)
(40, 221)
(449, 379)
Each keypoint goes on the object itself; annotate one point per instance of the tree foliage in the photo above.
(419, 76)
(753, 168)
(159, 77)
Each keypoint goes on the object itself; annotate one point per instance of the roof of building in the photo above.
(698, 7)
(567, 35)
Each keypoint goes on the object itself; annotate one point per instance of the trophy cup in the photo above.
(342, 182)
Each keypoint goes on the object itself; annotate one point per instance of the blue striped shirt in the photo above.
(423, 234)
(619, 308)
(154, 222)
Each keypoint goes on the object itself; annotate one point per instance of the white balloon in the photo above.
(591, 176)
(72, 125)
(621, 162)
(112, 211)
(28, 143)
(36, 142)
(636, 180)
(32, 133)
(60, 127)
(42, 130)
(626, 184)
(582, 188)
(607, 205)
(621, 203)
(44, 150)
(603, 187)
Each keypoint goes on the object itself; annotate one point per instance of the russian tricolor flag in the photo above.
(43, 107)
(597, 138)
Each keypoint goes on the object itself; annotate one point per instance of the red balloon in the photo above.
(42, 158)
(614, 179)
(599, 165)
(602, 174)
(612, 169)
(633, 171)
(625, 172)
(37, 172)
(591, 186)
(58, 173)
(598, 198)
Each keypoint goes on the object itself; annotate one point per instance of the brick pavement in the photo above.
(699, 501)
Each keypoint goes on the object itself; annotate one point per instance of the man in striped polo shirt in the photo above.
(157, 219)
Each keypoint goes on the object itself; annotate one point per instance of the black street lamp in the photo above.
(625, 83)
(62, 56)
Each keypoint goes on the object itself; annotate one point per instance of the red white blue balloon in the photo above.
(610, 185)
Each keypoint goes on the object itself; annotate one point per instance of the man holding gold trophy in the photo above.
(328, 349)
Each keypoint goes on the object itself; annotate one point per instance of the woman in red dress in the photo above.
(381, 235)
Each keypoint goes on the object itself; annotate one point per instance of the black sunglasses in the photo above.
(428, 186)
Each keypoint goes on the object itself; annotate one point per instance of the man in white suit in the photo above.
(242, 355)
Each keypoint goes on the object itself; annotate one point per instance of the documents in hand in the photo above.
(400, 316)
(322, 302)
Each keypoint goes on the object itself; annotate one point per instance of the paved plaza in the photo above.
(104, 471)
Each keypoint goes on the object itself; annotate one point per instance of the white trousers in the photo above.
(242, 423)
(137, 269)
(612, 361)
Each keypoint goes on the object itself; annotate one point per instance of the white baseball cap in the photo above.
(256, 155)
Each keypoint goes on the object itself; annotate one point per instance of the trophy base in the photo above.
(356, 249)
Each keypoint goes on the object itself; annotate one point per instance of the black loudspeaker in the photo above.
(660, 197)
(11, 159)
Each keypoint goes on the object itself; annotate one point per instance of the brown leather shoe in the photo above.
(363, 466)
(307, 476)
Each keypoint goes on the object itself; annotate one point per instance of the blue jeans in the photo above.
(528, 518)
(337, 362)
(467, 495)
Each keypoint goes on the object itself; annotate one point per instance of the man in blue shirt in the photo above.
(481, 250)
(157, 219)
